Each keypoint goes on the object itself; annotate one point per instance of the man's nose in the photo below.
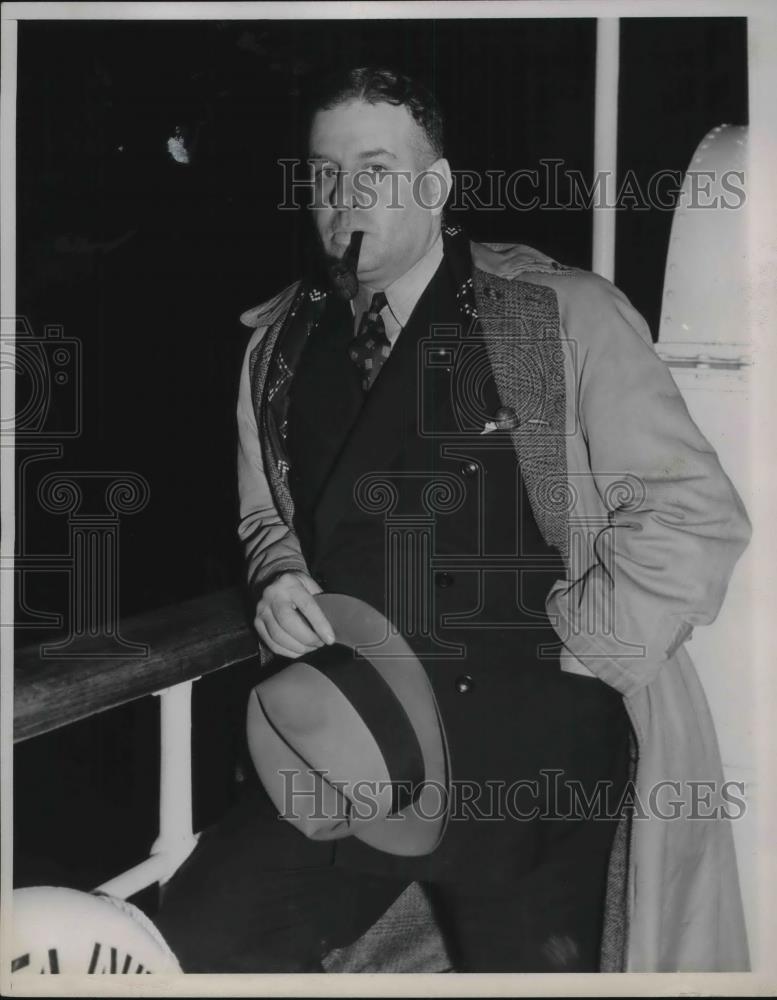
(345, 194)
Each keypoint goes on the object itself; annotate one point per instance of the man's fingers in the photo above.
(289, 620)
(316, 617)
(295, 625)
(283, 640)
(271, 645)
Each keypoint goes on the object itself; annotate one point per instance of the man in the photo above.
(587, 528)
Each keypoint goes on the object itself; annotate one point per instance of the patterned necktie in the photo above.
(370, 347)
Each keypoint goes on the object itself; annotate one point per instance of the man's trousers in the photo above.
(257, 896)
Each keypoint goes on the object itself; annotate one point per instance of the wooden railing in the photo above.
(184, 642)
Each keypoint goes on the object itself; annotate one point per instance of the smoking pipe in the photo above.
(342, 272)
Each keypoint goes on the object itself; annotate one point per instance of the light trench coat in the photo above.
(624, 483)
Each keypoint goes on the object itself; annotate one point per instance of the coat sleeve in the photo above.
(676, 525)
(270, 546)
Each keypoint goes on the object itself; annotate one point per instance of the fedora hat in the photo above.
(348, 740)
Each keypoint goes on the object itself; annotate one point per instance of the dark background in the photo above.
(148, 263)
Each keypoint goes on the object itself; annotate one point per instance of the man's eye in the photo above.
(377, 169)
(327, 172)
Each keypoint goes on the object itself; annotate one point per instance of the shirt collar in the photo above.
(403, 294)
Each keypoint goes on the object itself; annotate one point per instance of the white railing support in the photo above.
(153, 869)
(176, 838)
(606, 145)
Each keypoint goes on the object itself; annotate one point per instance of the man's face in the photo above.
(374, 173)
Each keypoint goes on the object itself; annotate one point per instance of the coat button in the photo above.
(469, 468)
(464, 684)
(443, 580)
(506, 418)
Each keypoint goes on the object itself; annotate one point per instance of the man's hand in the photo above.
(288, 620)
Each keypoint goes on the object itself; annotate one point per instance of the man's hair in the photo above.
(381, 85)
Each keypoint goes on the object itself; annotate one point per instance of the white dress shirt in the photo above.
(402, 294)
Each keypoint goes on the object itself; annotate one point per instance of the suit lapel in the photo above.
(389, 415)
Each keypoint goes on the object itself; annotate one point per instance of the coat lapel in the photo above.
(262, 378)
(521, 328)
(271, 367)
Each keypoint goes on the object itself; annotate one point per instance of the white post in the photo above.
(176, 838)
(606, 144)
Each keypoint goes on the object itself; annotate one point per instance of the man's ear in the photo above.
(435, 185)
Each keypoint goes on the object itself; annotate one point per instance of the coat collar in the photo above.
(511, 260)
